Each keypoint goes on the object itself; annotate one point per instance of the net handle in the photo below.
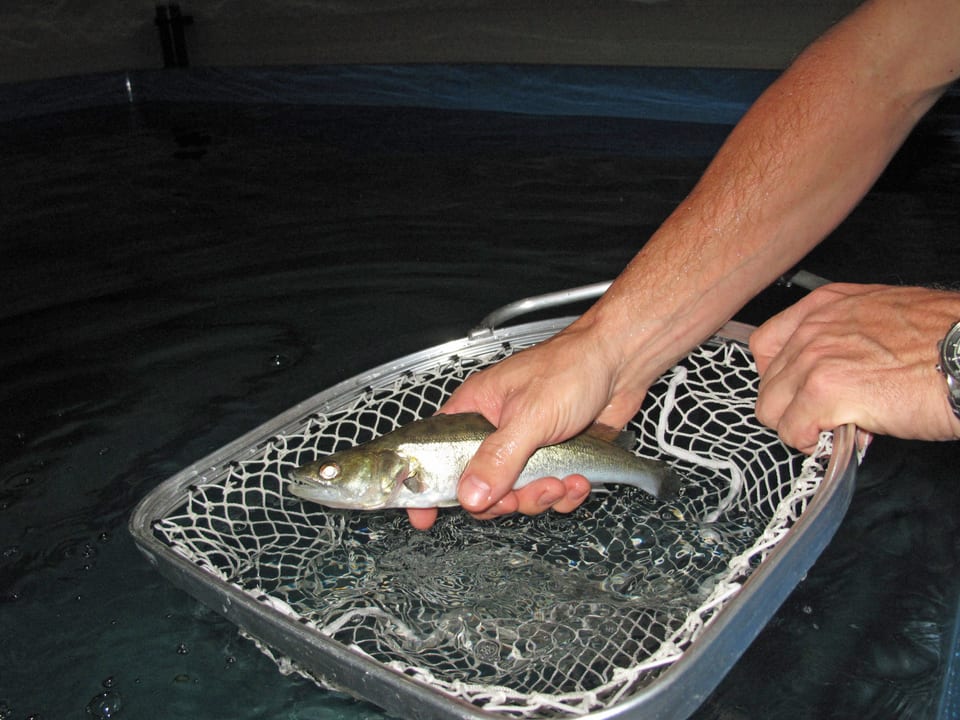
(535, 303)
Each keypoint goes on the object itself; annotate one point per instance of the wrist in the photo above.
(637, 343)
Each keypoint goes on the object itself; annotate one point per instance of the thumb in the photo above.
(494, 468)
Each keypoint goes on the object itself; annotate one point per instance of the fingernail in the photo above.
(474, 493)
(580, 495)
(548, 498)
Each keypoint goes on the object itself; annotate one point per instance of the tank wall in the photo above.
(56, 39)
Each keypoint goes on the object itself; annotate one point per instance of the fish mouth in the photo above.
(307, 487)
(301, 476)
(303, 480)
(309, 492)
(302, 484)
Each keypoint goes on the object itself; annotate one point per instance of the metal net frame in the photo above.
(547, 616)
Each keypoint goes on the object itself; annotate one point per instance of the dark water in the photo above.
(173, 275)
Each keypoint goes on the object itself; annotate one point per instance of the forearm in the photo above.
(791, 170)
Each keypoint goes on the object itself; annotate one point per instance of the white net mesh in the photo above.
(548, 616)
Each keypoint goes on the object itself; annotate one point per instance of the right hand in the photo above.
(540, 396)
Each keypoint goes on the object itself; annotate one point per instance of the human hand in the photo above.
(540, 396)
(861, 354)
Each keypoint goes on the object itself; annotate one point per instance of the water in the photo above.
(173, 275)
(516, 604)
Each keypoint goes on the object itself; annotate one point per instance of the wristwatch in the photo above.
(949, 365)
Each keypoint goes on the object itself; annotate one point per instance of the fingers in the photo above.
(853, 354)
(769, 339)
(813, 383)
(466, 399)
(803, 355)
(577, 489)
(544, 494)
(422, 518)
(798, 413)
(495, 467)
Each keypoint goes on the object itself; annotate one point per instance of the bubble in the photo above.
(711, 536)
(644, 537)
(278, 361)
(105, 705)
(487, 651)
(182, 649)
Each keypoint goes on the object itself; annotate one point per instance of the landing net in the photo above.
(547, 616)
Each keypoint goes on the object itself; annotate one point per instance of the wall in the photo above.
(65, 38)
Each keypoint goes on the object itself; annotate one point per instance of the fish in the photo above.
(419, 464)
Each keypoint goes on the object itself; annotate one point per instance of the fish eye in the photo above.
(329, 471)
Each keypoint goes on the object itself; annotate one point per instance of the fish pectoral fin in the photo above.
(414, 482)
(625, 439)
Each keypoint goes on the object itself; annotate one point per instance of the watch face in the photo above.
(950, 354)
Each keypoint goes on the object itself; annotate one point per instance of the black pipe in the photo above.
(166, 42)
(177, 23)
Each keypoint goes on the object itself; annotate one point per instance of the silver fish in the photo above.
(419, 465)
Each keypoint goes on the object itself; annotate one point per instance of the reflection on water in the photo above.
(172, 276)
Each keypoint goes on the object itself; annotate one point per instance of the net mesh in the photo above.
(546, 616)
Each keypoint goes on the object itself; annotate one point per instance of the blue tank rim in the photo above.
(686, 94)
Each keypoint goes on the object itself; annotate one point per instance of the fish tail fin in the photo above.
(658, 479)
(669, 485)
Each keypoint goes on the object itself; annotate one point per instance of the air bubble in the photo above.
(711, 536)
(278, 361)
(105, 705)
(487, 651)
(644, 538)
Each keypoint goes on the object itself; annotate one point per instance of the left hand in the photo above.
(861, 354)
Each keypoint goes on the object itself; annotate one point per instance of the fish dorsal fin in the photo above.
(625, 439)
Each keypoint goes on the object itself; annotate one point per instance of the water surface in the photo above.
(173, 275)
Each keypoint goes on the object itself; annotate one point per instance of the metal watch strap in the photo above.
(953, 394)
